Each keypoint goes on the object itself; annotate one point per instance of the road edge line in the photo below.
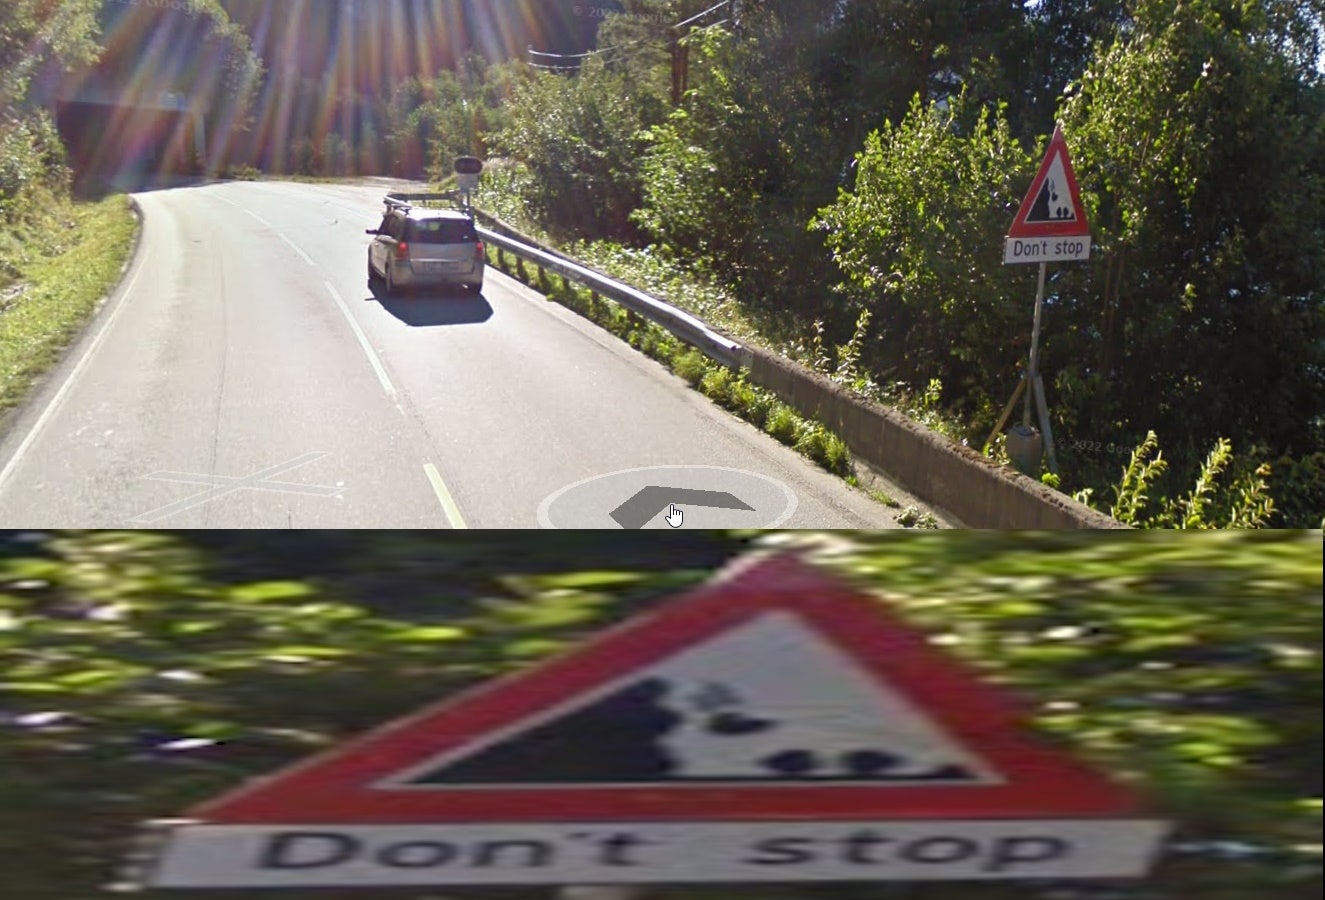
(122, 289)
(373, 359)
(449, 507)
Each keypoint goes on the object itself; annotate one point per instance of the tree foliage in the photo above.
(720, 173)
(580, 139)
(33, 32)
(912, 239)
(1199, 144)
(1196, 135)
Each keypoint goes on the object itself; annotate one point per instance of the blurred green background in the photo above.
(141, 672)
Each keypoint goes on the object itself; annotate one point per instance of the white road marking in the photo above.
(297, 249)
(222, 486)
(69, 382)
(373, 358)
(246, 210)
(444, 496)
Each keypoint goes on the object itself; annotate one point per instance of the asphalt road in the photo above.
(244, 376)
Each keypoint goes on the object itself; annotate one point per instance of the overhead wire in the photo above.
(601, 50)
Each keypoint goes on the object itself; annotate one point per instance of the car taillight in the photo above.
(402, 250)
(478, 250)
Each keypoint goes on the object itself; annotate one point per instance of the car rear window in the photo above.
(440, 231)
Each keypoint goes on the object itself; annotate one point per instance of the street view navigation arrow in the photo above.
(641, 508)
(705, 497)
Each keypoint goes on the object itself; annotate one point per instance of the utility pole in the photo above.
(680, 66)
(675, 47)
(685, 67)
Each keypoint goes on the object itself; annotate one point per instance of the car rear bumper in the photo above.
(410, 276)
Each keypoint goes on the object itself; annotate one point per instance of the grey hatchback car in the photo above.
(419, 246)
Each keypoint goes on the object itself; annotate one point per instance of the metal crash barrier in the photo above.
(688, 328)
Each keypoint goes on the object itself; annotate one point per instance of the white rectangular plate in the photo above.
(201, 855)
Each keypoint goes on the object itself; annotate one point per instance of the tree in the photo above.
(1197, 138)
(33, 32)
(873, 56)
(917, 238)
(579, 136)
(192, 49)
(1046, 54)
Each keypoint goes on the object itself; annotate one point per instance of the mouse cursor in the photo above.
(675, 517)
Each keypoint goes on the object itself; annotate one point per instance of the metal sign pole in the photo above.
(1044, 423)
(1035, 346)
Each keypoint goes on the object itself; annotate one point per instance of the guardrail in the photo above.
(972, 489)
(693, 331)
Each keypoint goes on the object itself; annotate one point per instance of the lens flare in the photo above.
(290, 85)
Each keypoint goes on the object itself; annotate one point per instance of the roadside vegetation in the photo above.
(58, 256)
(60, 286)
(837, 184)
(144, 672)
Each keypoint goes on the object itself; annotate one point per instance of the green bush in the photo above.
(242, 172)
(824, 447)
(915, 517)
(783, 424)
(717, 385)
(32, 161)
(579, 140)
(1227, 493)
(922, 265)
(1298, 488)
(691, 365)
(761, 407)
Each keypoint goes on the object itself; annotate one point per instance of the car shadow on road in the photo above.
(435, 307)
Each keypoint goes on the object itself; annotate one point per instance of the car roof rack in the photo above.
(407, 201)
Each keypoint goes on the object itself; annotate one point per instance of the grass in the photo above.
(61, 283)
(883, 497)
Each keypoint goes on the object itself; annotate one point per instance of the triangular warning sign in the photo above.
(772, 694)
(717, 713)
(1052, 207)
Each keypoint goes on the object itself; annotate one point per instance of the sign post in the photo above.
(467, 169)
(668, 750)
(1049, 227)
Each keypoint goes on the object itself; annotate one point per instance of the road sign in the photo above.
(1051, 223)
(468, 165)
(771, 726)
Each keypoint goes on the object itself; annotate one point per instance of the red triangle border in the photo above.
(1079, 227)
(1040, 781)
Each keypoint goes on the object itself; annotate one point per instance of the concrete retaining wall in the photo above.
(956, 479)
